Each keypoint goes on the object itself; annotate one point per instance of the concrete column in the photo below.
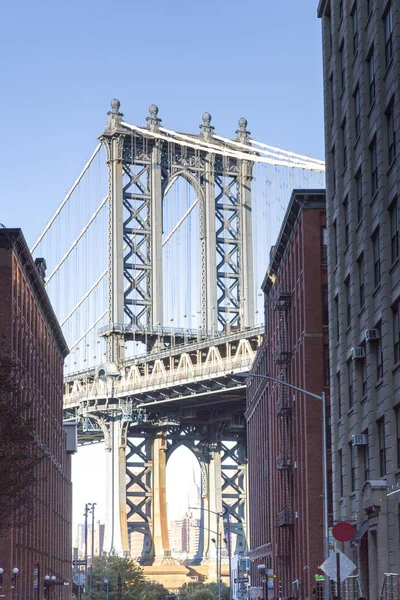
(160, 523)
(212, 520)
(156, 238)
(116, 527)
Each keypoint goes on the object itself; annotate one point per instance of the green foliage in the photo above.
(133, 584)
(150, 590)
(108, 567)
(203, 591)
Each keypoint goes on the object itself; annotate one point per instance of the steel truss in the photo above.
(142, 170)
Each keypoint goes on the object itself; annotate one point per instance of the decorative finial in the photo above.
(153, 122)
(206, 128)
(242, 135)
(114, 116)
(115, 105)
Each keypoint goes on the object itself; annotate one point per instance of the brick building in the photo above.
(284, 427)
(31, 335)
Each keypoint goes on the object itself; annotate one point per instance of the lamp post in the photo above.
(217, 542)
(92, 552)
(219, 545)
(14, 581)
(324, 456)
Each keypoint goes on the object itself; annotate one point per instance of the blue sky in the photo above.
(61, 63)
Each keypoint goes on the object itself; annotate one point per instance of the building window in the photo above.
(348, 301)
(359, 197)
(382, 449)
(394, 229)
(354, 15)
(333, 154)
(346, 212)
(337, 316)
(371, 74)
(377, 257)
(332, 97)
(340, 10)
(335, 244)
(396, 333)
(379, 356)
(391, 133)
(361, 280)
(369, 6)
(398, 435)
(366, 458)
(374, 167)
(341, 58)
(325, 306)
(350, 382)
(344, 145)
(388, 24)
(364, 375)
(326, 366)
(340, 472)
(356, 99)
(338, 394)
(353, 466)
(324, 245)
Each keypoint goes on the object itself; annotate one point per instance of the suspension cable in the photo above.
(82, 233)
(67, 197)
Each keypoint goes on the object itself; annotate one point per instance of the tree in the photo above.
(20, 450)
(203, 591)
(107, 569)
(151, 590)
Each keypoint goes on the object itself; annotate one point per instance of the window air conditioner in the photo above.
(358, 352)
(359, 439)
(371, 335)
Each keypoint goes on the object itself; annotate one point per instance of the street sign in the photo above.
(346, 566)
(343, 531)
(242, 580)
(79, 579)
(79, 563)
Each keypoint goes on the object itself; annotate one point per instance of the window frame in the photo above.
(374, 167)
(388, 33)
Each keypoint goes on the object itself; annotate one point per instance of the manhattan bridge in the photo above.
(155, 259)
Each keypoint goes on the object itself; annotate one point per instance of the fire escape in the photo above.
(282, 357)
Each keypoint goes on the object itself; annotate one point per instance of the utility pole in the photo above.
(92, 552)
(85, 514)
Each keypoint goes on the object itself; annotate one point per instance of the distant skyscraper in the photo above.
(361, 62)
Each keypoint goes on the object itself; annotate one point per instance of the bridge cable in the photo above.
(82, 233)
(67, 197)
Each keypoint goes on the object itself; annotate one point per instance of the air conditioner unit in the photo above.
(359, 439)
(358, 352)
(371, 335)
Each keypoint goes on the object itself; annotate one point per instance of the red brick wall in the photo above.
(295, 551)
(46, 538)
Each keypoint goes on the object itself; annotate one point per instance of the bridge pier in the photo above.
(116, 529)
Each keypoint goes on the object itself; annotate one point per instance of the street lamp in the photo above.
(219, 515)
(14, 580)
(218, 544)
(324, 455)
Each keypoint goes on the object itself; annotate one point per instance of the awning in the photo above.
(360, 532)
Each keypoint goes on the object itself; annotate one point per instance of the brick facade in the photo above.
(284, 427)
(31, 333)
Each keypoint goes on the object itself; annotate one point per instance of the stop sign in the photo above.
(343, 532)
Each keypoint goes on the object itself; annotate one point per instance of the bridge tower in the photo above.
(143, 165)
